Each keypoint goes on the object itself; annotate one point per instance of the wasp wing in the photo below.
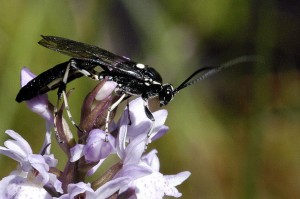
(88, 57)
(104, 58)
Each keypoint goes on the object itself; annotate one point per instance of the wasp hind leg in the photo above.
(61, 93)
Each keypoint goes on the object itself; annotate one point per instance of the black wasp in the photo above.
(132, 78)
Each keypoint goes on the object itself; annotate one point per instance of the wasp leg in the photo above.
(109, 110)
(54, 124)
(129, 118)
(150, 116)
(62, 93)
(86, 67)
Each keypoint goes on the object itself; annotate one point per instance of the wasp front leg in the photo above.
(151, 117)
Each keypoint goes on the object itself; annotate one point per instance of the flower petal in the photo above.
(40, 106)
(135, 149)
(76, 152)
(111, 187)
(133, 172)
(24, 145)
(177, 179)
(152, 160)
(75, 189)
(94, 169)
(54, 182)
(97, 148)
(17, 149)
(26, 76)
(106, 90)
(50, 160)
(174, 180)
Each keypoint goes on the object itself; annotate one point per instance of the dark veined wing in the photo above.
(81, 50)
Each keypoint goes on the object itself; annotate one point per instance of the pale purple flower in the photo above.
(18, 187)
(140, 123)
(139, 127)
(145, 178)
(33, 168)
(157, 183)
(143, 171)
(19, 150)
(96, 147)
(95, 150)
(40, 103)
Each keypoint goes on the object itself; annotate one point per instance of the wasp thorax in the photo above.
(166, 94)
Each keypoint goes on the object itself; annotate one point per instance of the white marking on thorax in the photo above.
(140, 66)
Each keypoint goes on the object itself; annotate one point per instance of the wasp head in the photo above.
(166, 94)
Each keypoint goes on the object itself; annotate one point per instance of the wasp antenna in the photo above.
(215, 69)
(185, 82)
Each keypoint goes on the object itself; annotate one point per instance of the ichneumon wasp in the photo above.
(132, 78)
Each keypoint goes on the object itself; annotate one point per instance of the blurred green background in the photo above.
(238, 132)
